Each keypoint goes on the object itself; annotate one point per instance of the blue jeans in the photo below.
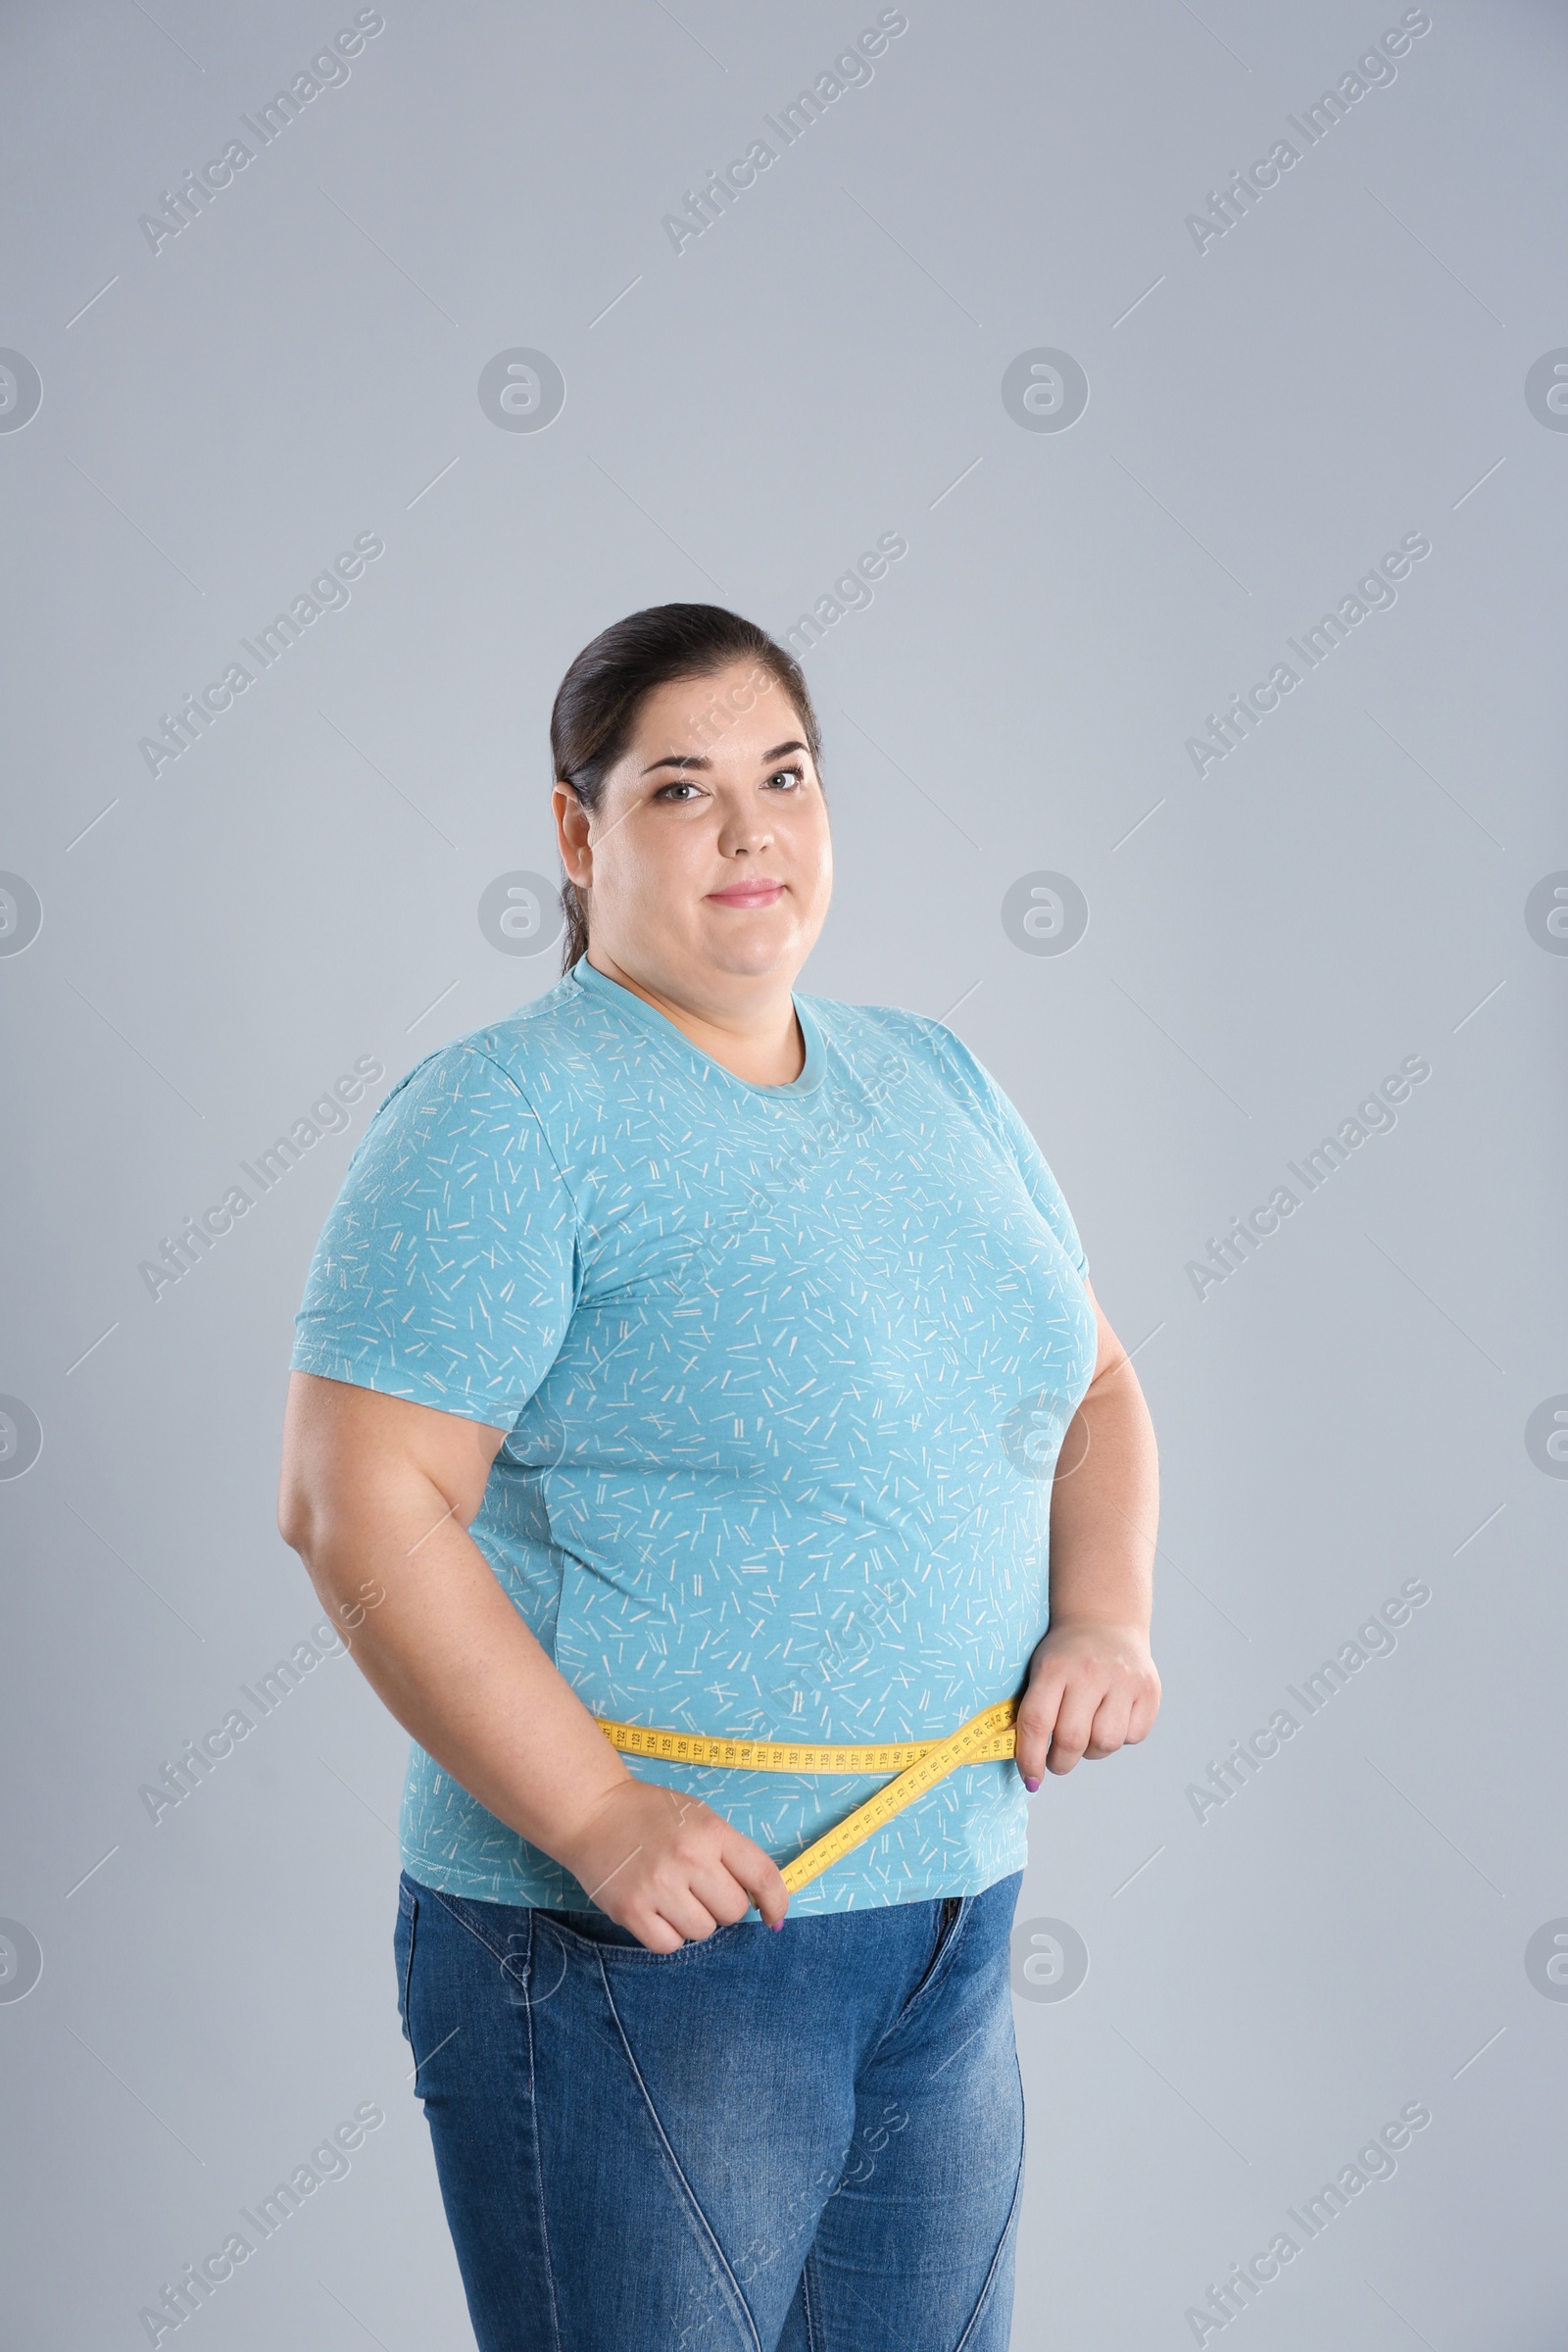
(807, 2141)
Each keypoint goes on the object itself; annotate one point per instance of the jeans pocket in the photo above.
(588, 1926)
(613, 1942)
(949, 1912)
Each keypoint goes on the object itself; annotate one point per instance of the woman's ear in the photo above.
(572, 834)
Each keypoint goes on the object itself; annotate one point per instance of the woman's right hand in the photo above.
(669, 1867)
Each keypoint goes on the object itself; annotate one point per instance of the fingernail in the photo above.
(1030, 1784)
(777, 1925)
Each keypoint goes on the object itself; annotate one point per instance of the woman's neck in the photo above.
(756, 1037)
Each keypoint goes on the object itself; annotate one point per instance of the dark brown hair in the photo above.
(596, 708)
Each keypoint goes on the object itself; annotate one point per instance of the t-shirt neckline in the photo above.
(599, 984)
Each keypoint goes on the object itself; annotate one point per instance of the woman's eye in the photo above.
(796, 776)
(668, 790)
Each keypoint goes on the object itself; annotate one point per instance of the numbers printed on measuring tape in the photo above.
(916, 1764)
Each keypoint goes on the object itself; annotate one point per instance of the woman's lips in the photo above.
(747, 894)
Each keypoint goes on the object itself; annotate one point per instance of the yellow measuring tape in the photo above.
(917, 1764)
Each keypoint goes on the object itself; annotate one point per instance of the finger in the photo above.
(654, 1934)
(1037, 1720)
(1140, 1721)
(1109, 1731)
(1074, 1722)
(722, 1892)
(691, 1920)
(759, 1875)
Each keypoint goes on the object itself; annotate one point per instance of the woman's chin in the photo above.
(750, 945)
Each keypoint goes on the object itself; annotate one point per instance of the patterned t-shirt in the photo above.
(784, 1371)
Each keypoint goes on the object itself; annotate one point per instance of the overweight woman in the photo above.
(693, 1377)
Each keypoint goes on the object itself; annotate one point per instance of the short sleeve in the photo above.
(445, 1271)
(988, 1098)
(1043, 1190)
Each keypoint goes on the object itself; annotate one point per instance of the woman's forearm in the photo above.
(1093, 1686)
(445, 1651)
(1105, 1507)
(376, 1495)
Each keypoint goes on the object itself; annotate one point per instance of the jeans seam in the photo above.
(716, 2250)
(408, 1972)
(502, 1959)
(538, 2160)
(978, 2313)
(813, 2341)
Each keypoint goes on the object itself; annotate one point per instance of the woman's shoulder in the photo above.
(925, 1042)
(844, 1020)
(556, 1043)
(543, 1052)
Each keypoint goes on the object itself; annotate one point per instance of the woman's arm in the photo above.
(1093, 1686)
(377, 1497)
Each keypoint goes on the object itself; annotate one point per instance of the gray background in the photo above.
(300, 888)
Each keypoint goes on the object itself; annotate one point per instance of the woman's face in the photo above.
(709, 858)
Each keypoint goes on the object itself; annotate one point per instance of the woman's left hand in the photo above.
(1093, 1688)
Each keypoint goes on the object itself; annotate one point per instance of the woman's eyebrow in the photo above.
(686, 759)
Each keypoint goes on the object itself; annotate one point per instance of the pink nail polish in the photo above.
(1031, 1786)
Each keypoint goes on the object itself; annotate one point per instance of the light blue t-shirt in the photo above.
(784, 1372)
